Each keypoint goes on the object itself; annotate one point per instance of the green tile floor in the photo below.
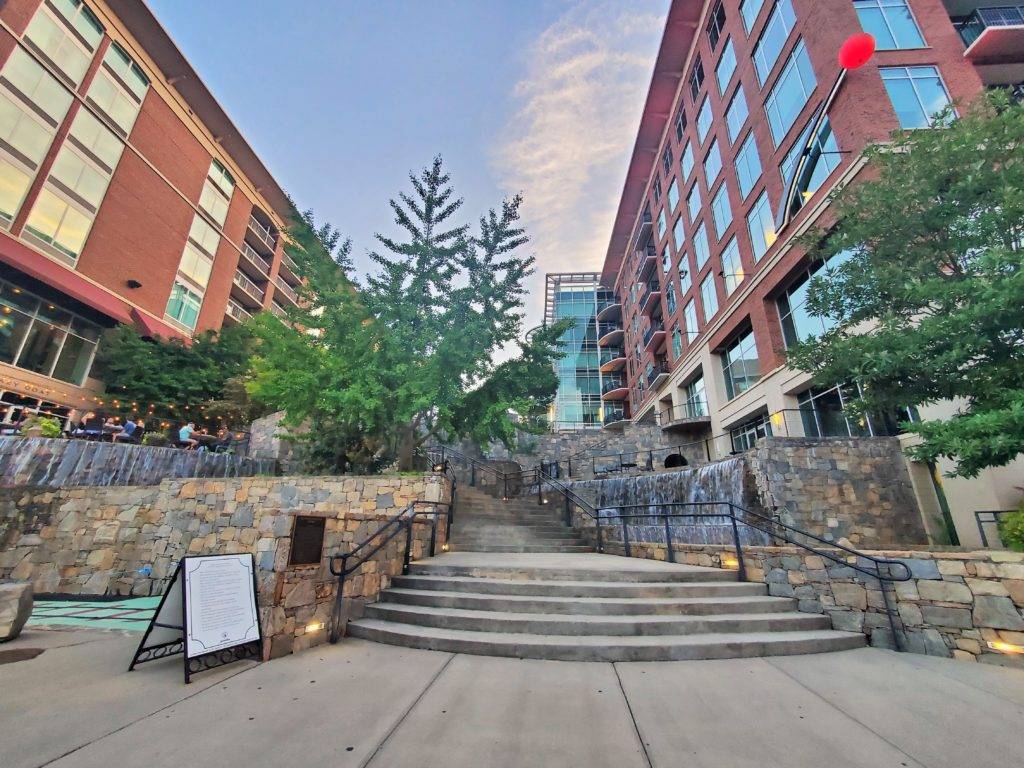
(130, 614)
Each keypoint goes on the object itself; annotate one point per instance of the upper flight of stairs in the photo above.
(520, 584)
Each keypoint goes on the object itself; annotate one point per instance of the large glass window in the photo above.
(212, 201)
(721, 211)
(92, 136)
(119, 88)
(662, 224)
(712, 163)
(797, 322)
(678, 234)
(700, 246)
(693, 202)
(704, 120)
(748, 165)
(726, 67)
(52, 36)
(680, 123)
(59, 223)
(745, 436)
(917, 94)
(695, 400)
(716, 23)
(791, 91)
(195, 265)
(183, 306)
(740, 365)
(737, 114)
(666, 159)
(683, 266)
(696, 79)
(14, 183)
(761, 226)
(773, 38)
(677, 342)
(690, 318)
(890, 22)
(673, 195)
(709, 297)
(203, 235)
(822, 414)
(670, 298)
(732, 266)
(37, 86)
(749, 9)
(822, 159)
(686, 162)
(39, 336)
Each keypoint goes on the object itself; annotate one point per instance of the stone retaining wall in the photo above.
(954, 606)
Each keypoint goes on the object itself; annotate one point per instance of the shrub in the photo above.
(1011, 530)
(50, 427)
(155, 439)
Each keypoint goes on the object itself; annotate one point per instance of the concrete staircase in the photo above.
(528, 588)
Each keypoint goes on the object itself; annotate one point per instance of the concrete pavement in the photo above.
(362, 704)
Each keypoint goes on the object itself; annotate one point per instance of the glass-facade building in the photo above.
(578, 295)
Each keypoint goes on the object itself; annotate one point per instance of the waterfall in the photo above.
(40, 461)
(720, 481)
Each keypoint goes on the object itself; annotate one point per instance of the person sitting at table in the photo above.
(185, 438)
(111, 427)
(130, 431)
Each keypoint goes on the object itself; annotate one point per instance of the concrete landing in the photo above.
(362, 704)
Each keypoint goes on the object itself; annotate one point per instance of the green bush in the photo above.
(1011, 530)
(156, 439)
(50, 426)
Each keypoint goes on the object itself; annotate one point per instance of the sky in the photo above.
(343, 99)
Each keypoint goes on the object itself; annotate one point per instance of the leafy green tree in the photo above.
(383, 367)
(929, 303)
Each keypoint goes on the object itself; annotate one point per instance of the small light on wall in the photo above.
(316, 626)
(1002, 647)
(444, 547)
(728, 561)
(439, 467)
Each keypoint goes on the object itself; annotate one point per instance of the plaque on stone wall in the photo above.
(209, 614)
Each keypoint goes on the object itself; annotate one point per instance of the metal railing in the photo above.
(655, 327)
(608, 354)
(235, 311)
(983, 18)
(278, 310)
(603, 329)
(262, 232)
(286, 289)
(656, 369)
(651, 287)
(255, 258)
(990, 536)
(611, 381)
(612, 413)
(248, 286)
(690, 410)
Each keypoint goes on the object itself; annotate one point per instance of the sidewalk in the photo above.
(360, 703)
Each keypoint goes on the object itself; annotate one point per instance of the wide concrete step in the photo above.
(549, 540)
(592, 606)
(549, 588)
(556, 571)
(512, 530)
(565, 548)
(605, 647)
(554, 624)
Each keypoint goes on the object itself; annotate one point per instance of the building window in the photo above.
(673, 195)
(69, 40)
(716, 23)
(700, 246)
(695, 400)
(680, 124)
(890, 22)
(797, 323)
(678, 235)
(666, 260)
(917, 94)
(709, 297)
(732, 266)
(183, 306)
(195, 265)
(791, 91)
(40, 336)
(693, 202)
(217, 191)
(662, 224)
(670, 298)
(740, 365)
(746, 435)
(773, 38)
(666, 160)
(721, 211)
(686, 162)
(726, 67)
(656, 189)
(761, 226)
(737, 114)
(749, 10)
(677, 342)
(748, 165)
(822, 415)
(59, 223)
(696, 79)
(690, 319)
(683, 265)
(822, 159)
(712, 163)
(704, 120)
(119, 88)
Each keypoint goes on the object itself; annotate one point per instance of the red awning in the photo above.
(149, 326)
(63, 279)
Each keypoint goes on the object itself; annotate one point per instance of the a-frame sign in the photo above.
(209, 614)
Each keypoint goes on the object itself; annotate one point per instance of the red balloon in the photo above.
(856, 51)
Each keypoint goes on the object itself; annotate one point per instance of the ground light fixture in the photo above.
(1004, 647)
(730, 562)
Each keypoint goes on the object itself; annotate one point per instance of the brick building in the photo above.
(127, 195)
(737, 150)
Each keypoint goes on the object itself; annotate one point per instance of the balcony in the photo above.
(651, 296)
(283, 289)
(249, 292)
(613, 387)
(691, 415)
(646, 259)
(613, 415)
(657, 374)
(264, 236)
(643, 231)
(609, 334)
(289, 268)
(612, 359)
(995, 39)
(609, 311)
(256, 263)
(278, 310)
(236, 313)
(654, 336)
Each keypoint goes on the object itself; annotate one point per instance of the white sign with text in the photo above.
(220, 603)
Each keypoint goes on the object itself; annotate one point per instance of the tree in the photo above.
(409, 355)
(928, 302)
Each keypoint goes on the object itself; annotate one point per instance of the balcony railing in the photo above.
(250, 253)
(286, 289)
(248, 286)
(656, 327)
(278, 310)
(611, 353)
(610, 382)
(651, 287)
(983, 18)
(236, 312)
(691, 410)
(612, 413)
(656, 369)
(262, 232)
(645, 259)
(603, 329)
(287, 261)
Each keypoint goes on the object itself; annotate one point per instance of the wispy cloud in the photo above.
(578, 105)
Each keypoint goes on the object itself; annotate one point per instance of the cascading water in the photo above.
(40, 461)
(721, 481)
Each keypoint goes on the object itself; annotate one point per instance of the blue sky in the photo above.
(343, 99)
